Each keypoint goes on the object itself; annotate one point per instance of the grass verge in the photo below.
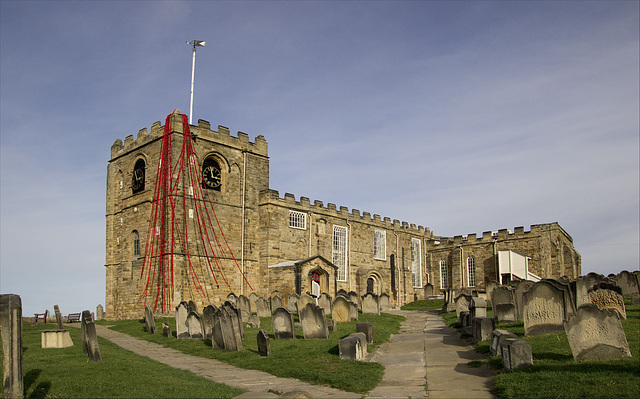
(315, 361)
(68, 373)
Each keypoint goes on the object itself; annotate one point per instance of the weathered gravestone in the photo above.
(237, 321)
(340, 310)
(192, 307)
(304, 300)
(385, 302)
(521, 288)
(465, 318)
(324, 301)
(56, 309)
(449, 301)
(569, 289)
(276, 302)
(490, 286)
(11, 331)
(99, 312)
(428, 290)
(497, 338)
(194, 326)
(628, 282)
(283, 324)
(503, 301)
(254, 321)
(370, 304)
(353, 311)
(232, 298)
(208, 321)
(516, 353)
(182, 311)
(342, 292)
(353, 347)
(217, 334)
(229, 335)
(585, 283)
(353, 297)
(367, 329)
(596, 334)
(462, 303)
(544, 309)
(314, 323)
(262, 307)
(477, 307)
(90, 337)
(244, 306)
(149, 320)
(481, 328)
(264, 347)
(166, 330)
(253, 299)
(292, 303)
(608, 296)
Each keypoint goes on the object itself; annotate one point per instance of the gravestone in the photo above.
(331, 325)
(90, 337)
(544, 309)
(230, 336)
(219, 330)
(56, 309)
(353, 297)
(462, 303)
(314, 323)
(262, 307)
(194, 326)
(99, 312)
(304, 300)
(11, 332)
(149, 320)
(264, 348)
(520, 289)
(244, 306)
(208, 321)
(516, 353)
(292, 303)
(477, 307)
(465, 319)
(449, 301)
(86, 315)
(628, 282)
(353, 311)
(324, 301)
(353, 347)
(596, 334)
(340, 310)
(385, 302)
(503, 301)
(497, 338)
(608, 296)
(254, 321)
(481, 328)
(232, 298)
(370, 304)
(166, 330)
(490, 286)
(585, 283)
(253, 299)
(276, 302)
(569, 290)
(192, 307)
(283, 327)
(182, 311)
(237, 322)
(367, 329)
(428, 290)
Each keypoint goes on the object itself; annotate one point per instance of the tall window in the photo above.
(340, 251)
(380, 245)
(136, 244)
(444, 283)
(137, 180)
(471, 271)
(416, 264)
(297, 220)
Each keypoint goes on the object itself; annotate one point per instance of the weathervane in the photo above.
(194, 43)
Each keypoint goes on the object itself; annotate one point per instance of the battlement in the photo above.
(502, 234)
(202, 131)
(304, 205)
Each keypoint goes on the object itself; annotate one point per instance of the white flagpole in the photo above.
(193, 70)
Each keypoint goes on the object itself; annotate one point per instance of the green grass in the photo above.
(315, 361)
(424, 304)
(68, 373)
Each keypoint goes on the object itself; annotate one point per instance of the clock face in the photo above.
(211, 176)
(138, 179)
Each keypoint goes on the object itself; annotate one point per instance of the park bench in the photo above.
(40, 316)
(73, 317)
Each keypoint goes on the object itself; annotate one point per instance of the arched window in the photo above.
(136, 244)
(137, 180)
(444, 283)
(370, 285)
(211, 175)
(471, 271)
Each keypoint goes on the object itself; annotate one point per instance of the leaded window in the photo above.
(136, 244)
(471, 271)
(416, 262)
(444, 283)
(297, 220)
(380, 245)
(340, 251)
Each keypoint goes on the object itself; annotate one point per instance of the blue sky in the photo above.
(462, 117)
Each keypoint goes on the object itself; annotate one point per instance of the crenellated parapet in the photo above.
(519, 232)
(201, 131)
(318, 207)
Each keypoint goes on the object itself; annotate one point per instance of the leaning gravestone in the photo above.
(544, 309)
(521, 288)
(462, 303)
(149, 320)
(217, 334)
(585, 283)
(244, 306)
(324, 301)
(353, 311)
(628, 283)
(314, 323)
(283, 327)
(166, 330)
(56, 309)
(262, 307)
(194, 326)
(276, 302)
(90, 337)
(569, 289)
(503, 301)
(596, 334)
(264, 348)
(340, 310)
(253, 299)
(370, 304)
(353, 347)
(232, 298)
(11, 331)
(182, 311)
(292, 303)
(608, 296)
(230, 336)
(208, 320)
(385, 302)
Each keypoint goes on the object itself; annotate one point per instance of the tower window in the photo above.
(416, 262)
(298, 220)
(340, 251)
(136, 244)
(137, 180)
(380, 245)
(443, 275)
(471, 271)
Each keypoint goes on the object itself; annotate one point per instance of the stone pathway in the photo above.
(425, 359)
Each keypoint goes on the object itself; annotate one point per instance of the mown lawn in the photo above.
(315, 361)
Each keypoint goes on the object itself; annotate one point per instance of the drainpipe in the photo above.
(495, 255)
(244, 185)
(461, 267)
(397, 266)
(310, 213)
(348, 265)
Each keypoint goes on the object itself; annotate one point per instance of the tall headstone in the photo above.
(253, 298)
(596, 334)
(149, 320)
(263, 309)
(503, 302)
(11, 331)
(324, 301)
(340, 310)
(370, 304)
(314, 323)
(283, 327)
(208, 321)
(90, 337)
(385, 302)
(292, 303)
(264, 348)
(237, 322)
(182, 311)
(353, 311)
(99, 312)
(244, 306)
(276, 302)
(56, 309)
(521, 288)
(304, 300)
(628, 283)
(544, 309)
(230, 337)
(355, 298)
(194, 326)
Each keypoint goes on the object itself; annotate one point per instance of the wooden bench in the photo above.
(41, 316)
(73, 317)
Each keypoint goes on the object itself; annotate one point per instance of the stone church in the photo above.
(198, 225)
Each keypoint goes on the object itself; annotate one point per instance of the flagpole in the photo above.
(194, 43)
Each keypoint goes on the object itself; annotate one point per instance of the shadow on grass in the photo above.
(557, 357)
(41, 390)
(581, 368)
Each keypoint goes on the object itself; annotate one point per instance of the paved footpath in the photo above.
(425, 359)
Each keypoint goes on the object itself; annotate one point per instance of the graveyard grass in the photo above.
(554, 373)
(68, 373)
(315, 361)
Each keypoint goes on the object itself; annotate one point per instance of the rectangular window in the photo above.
(340, 251)
(416, 264)
(298, 220)
(443, 275)
(471, 271)
(380, 245)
